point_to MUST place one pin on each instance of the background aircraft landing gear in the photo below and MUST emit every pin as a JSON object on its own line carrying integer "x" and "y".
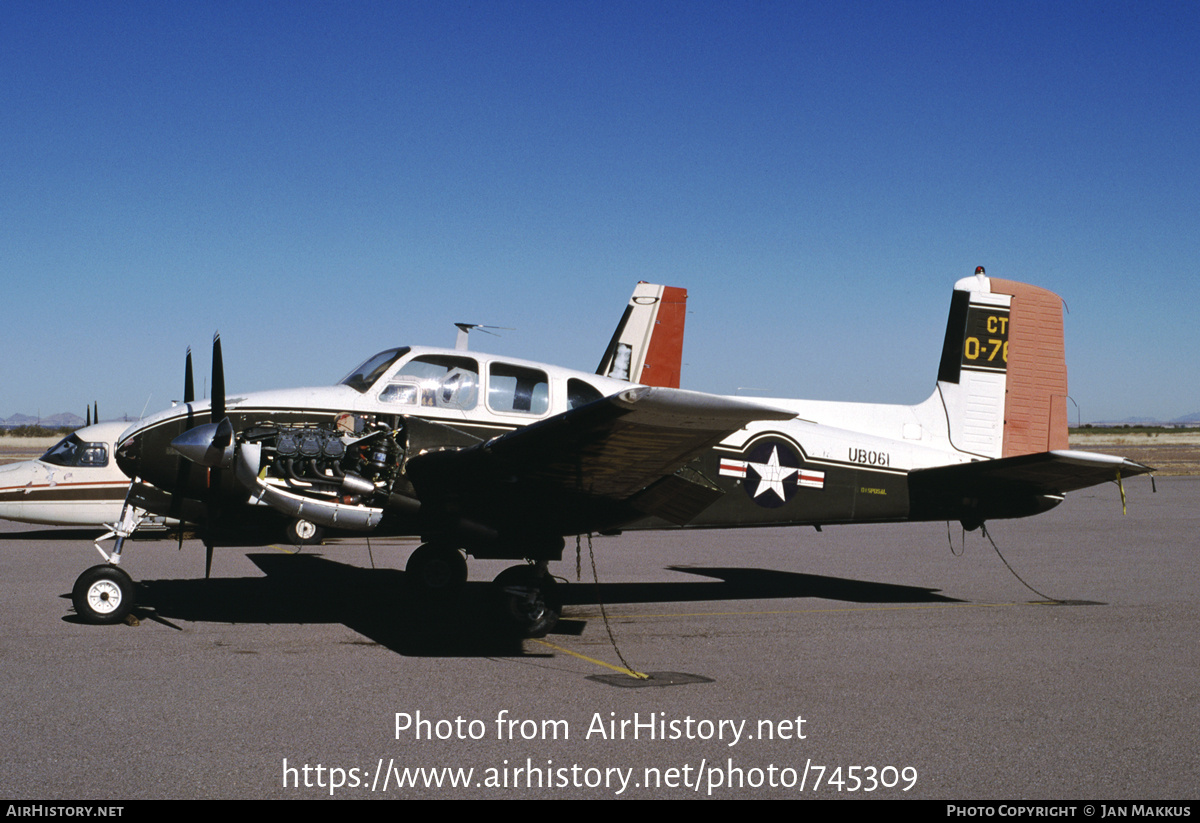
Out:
{"x": 103, "y": 594}
{"x": 528, "y": 599}
{"x": 303, "y": 533}
{"x": 436, "y": 568}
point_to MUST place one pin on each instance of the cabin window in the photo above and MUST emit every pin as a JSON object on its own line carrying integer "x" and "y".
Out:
{"x": 71, "y": 451}
{"x": 517, "y": 389}
{"x": 403, "y": 393}
{"x": 435, "y": 381}
{"x": 580, "y": 393}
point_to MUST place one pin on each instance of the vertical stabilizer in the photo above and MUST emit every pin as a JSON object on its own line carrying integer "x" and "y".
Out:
{"x": 1003, "y": 375}
{"x": 647, "y": 346}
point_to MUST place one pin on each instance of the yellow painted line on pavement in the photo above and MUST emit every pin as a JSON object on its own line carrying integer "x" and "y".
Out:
{"x": 620, "y": 669}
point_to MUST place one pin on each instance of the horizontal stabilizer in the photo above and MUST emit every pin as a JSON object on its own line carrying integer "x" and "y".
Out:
{"x": 1053, "y": 472}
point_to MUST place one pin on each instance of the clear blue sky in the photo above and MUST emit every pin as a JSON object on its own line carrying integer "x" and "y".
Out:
{"x": 323, "y": 180}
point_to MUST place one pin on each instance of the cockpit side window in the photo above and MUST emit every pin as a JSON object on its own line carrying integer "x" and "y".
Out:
{"x": 580, "y": 393}
{"x": 517, "y": 389}
{"x": 362, "y": 378}
{"x": 401, "y": 392}
{"x": 435, "y": 381}
{"x": 71, "y": 451}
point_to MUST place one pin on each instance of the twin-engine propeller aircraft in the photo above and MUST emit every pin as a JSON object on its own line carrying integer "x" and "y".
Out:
{"x": 502, "y": 458}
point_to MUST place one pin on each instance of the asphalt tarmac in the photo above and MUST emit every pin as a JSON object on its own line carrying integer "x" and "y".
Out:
{"x": 863, "y": 661}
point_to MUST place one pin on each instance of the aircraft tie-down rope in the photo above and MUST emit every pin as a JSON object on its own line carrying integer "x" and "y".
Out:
{"x": 983, "y": 528}
{"x": 634, "y": 673}
{"x": 987, "y": 534}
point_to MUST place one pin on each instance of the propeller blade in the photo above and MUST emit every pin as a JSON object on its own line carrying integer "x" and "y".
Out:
{"x": 95, "y": 412}
{"x": 89, "y": 416}
{"x": 223, "y": 439}
{"x": 189, "y": 388}
{"x": 210, "y": 445}
{"x": 183, "y": 473}
{"x": 207, "y": 559}
{"x": 218, "y": 380}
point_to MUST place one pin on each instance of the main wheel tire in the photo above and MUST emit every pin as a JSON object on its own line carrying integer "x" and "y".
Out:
{"x": 436, "y": 568}
{"x": 304, "y": 533}
{"x": 528, "y": 600}
{"x": 103, "y": 594}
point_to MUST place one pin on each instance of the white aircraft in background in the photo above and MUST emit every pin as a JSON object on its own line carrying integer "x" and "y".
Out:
{"x": 75, "y": 483}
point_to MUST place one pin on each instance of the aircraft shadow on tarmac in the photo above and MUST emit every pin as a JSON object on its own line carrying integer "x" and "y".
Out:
{"x": 754, "y": 584}
{"x": 378, "y": 603}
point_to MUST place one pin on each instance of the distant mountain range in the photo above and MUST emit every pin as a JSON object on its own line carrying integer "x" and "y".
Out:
{"x": 1192, "y": 419}
{"x": 61, "y": 420}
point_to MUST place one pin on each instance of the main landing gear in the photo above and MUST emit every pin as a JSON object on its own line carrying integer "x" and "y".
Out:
{"x": 528, "y": 599}
{"x": 103, "y": 594}
{"x": 524, "y": 596}
{"x": 437, "y": 569}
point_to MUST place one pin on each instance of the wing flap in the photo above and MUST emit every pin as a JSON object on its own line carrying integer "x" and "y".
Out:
{"x": 679, "y": 497}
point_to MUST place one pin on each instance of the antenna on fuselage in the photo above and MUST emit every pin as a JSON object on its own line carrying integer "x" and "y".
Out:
{"x": 464, "y": 329}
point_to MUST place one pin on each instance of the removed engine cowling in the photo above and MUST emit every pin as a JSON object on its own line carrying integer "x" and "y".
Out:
{"x": 342, "y": 475}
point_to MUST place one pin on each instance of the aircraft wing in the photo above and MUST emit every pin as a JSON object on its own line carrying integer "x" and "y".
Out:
{"x": 1053, "y": 472}
{"x": 572, "y": 467}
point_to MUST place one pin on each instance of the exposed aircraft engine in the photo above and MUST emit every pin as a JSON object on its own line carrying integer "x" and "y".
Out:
{"x": 327, "y": 474}
{"x": 326, "y": 460}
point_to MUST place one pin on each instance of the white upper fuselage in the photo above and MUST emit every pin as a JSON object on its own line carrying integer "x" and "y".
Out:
{"x": 467, "y": 388}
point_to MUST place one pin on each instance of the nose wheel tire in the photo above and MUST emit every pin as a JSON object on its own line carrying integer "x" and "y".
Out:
{"x": 103, "y": 594}
{"x": 528, "y": 600}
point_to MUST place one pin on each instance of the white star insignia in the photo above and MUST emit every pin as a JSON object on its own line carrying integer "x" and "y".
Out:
{"x": 771, "y": 474}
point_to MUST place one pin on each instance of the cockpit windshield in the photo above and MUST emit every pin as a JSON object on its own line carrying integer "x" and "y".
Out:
{"x": 363, "y": 377}
{"x": 71, "y": 451}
